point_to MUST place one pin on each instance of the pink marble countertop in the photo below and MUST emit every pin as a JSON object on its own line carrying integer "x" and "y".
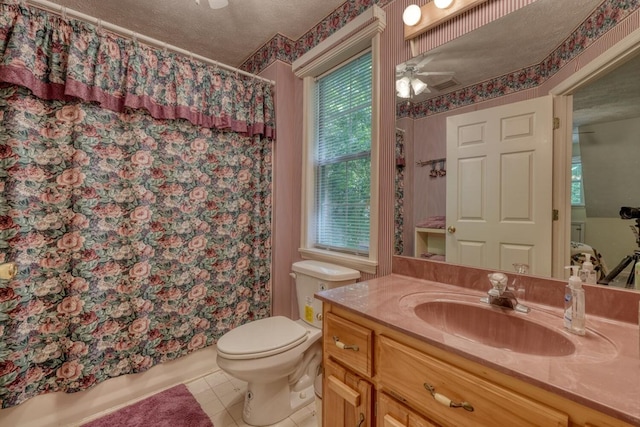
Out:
{"x": 603, "y": 373}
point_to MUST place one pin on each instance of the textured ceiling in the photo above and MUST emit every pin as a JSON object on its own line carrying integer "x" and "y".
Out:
{"x": 229, "y": 35}
{"x": 614, "y": 96}
{"x": 518, "y": 40}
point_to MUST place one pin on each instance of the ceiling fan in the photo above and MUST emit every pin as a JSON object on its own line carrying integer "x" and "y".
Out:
{"x": 408, "y": 81}
{"x": 216, "y": 4}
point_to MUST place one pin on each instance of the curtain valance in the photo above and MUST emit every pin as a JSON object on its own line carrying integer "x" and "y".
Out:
{"x": 59, "y": 59}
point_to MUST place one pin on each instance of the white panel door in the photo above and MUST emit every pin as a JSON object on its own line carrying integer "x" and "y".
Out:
{"x": 499, "y": 186}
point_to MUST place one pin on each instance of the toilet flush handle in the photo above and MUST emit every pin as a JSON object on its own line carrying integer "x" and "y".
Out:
{"x": 293, "y": 275}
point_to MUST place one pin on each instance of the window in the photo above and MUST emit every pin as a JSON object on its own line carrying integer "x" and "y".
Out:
{"x": 340, "y": 155}
{"x": 577, "y": 192}
{"x": 342, "y": 161}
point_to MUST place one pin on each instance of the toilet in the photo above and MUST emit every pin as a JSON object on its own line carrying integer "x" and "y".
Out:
{"x": 279, "y": 358}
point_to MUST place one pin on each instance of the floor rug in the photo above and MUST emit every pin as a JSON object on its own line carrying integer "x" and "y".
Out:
{"x": 174, "y": 407}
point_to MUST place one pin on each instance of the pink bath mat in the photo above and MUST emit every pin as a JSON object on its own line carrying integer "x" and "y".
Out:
{"x": 175, "y": 407}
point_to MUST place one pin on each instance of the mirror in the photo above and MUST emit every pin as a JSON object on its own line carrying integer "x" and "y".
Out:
{"x": 604, "y": 171}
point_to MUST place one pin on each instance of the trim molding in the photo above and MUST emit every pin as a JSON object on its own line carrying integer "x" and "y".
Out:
{"x": 353, "y": 37}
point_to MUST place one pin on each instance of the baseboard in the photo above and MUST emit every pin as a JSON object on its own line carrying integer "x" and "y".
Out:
{"x": 73, "y": 409}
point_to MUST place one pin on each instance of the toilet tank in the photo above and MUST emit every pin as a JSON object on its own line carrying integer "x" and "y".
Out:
{"x": 313, "y": 276}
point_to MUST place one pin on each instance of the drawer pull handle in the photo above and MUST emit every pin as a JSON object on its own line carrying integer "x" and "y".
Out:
{"x": 441, "y": 398}
{"x": 344, "y": 346}
{"x": 361, "y": 420}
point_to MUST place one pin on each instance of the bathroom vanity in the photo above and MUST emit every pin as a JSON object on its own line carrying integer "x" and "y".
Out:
{"x": 400, "y": 351}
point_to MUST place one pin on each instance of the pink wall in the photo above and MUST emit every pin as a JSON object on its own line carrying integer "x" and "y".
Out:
{"x": 287, "y": 172}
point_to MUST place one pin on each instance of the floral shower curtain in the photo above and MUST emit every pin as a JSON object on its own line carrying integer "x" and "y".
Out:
{"x": 398, "y": 247}
{"x": 135, "y": 197}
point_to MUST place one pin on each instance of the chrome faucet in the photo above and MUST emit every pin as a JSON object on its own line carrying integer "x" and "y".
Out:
{"x": 501, "y": 295}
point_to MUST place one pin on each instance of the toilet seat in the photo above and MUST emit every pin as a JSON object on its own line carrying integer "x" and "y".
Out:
{"x": 261, "y": 338}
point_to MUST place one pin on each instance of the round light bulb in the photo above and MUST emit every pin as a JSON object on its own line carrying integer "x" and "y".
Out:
{"x": 442, "y": 4}
{"x": 411, "y": 15}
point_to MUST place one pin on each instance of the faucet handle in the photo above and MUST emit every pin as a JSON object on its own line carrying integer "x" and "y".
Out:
{"x": 499, "y": 283}
{"x": 494, "y": 292}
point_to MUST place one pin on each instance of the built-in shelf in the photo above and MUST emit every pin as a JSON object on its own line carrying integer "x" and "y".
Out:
{"x": 429, "y": 240}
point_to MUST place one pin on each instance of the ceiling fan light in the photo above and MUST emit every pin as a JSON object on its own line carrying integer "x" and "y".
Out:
{"x": 218, "y": 4}
{"x": 411, "y": 15}
{"x": 403, "y": 87}
{"x": 418, "y": 86}
{"x": 442, "y": 4}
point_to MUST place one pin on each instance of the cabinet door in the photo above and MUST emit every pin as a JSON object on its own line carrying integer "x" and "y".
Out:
{"x": 392, "y": 413}
{"x": 347, "y": 398}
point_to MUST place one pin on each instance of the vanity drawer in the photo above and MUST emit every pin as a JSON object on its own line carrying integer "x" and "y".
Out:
{"x": 408, "y": 372}
{"x": 348, "y": 343}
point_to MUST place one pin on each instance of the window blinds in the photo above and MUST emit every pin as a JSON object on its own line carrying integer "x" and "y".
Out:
{"x": 343, "y": 157}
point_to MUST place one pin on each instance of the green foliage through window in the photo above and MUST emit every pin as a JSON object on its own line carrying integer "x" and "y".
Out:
{"x": 577, "y": 193}
{"x": 343, "y": 157}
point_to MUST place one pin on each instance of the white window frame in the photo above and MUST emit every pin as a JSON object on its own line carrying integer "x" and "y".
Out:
{"x": 360, "y": 34}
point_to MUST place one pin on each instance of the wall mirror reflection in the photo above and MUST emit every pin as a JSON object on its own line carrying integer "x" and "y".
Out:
{"x": 499, "y": 66}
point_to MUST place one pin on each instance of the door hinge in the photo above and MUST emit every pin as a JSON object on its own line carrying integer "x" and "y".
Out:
{"x": 556, "y": 123}
{"x": 555, "y": 214}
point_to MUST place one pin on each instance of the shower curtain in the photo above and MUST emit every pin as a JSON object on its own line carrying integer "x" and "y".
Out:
{"x": 398, "y": 246}
{"x": 135, "y": 197}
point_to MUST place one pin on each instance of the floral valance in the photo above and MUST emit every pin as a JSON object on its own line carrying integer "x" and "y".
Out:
{"x": 59, "y": 58}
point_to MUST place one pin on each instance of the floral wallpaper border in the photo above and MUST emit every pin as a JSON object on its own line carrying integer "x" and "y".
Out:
{"x": 609, "y": 14}
{"x": 282, "y": 48}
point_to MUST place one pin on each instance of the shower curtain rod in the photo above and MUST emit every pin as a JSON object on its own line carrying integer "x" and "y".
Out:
{"x": 64, "y": 11}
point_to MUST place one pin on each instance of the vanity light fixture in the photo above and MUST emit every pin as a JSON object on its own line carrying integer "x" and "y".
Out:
{"x": 411, "y": 15}
{"x": 443, "y": 4}
{"x": 434, "y": 13}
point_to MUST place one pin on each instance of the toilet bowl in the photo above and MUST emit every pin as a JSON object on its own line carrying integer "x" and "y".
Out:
{"x": 279, "y": 358}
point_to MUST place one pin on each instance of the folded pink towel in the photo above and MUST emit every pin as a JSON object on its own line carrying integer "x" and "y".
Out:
{"x": 432, "y": 222}
{"x": 434, "y": 257}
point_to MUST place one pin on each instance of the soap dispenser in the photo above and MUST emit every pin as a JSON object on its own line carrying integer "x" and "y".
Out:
{"x": 587, "y": 273}
{"x": 574, "y": 307}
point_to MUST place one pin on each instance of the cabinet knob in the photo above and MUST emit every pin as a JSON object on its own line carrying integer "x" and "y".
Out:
{"x": 451, "y": 229}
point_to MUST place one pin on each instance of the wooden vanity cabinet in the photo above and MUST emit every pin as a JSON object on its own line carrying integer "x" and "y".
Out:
{"x": 347, "y": 393}
{"x": 347, "y": 398}
{"x": 376, "y": 376}
{"x": 392, "y": 413}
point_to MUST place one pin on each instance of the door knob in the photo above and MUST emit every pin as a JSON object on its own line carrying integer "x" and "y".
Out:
{"x": 8, "y": 270}
{"x": 451, "y": 229}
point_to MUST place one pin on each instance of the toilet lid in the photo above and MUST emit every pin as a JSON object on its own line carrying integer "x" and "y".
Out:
{"x": 261, "y": 338}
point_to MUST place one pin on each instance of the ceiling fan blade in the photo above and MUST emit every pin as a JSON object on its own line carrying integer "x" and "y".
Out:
{"x": 401, "y": 68}
{"x": 424, "y": 61}
{"x": 436, "y": 73}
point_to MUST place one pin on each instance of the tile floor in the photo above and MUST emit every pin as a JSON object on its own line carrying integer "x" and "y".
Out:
{"x": 222, "y": 396}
